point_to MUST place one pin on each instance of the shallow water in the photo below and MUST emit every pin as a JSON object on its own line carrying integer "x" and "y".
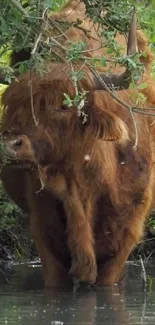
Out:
{"x": 23, "y": 300}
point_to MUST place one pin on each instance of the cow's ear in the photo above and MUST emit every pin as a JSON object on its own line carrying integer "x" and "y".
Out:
{"x": 105, "y": 125}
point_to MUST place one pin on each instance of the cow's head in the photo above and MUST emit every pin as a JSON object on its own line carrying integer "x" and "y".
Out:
{"x": 56, "y": 129}
{"x": 63, "y": 132}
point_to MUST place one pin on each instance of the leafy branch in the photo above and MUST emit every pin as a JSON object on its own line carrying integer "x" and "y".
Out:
{"x": 44, "y": 35}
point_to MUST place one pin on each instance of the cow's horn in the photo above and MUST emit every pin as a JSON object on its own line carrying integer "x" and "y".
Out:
{"x": 122, "y": 80}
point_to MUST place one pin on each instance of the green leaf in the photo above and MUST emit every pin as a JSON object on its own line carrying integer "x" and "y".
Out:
{"x": 142, "y": 85}
{"x": 48, "y": 3}
{"x": 103, "y": 61}
{"x": 68, "y": 101}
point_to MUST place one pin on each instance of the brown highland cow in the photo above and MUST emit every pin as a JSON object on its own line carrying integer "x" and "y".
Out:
{"x": 98, "y": 190}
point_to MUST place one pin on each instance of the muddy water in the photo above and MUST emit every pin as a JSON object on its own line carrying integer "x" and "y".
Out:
{"x": 23, "y": 300}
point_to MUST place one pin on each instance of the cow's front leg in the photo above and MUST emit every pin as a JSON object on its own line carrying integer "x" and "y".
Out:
{"x": 79, "y": 230}
{"x": 54, "y": 273}
{"x": 110, "y": 272}
{"x": 83, "y": 265}
{"x": 80, "y": 238}
{"x": 46, "y": 227}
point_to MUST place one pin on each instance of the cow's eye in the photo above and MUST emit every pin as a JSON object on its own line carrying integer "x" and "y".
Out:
{"x": 64, "y": 108}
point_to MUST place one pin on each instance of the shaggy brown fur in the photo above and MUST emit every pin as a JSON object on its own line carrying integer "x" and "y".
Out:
{"x": 106, "y": 198}
{"x": 99, "y": 190}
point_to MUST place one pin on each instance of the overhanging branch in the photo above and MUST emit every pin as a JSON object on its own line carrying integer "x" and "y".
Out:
{"x": 19, "y": 7}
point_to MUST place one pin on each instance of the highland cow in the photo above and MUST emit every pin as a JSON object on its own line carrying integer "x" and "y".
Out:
{"x": 97, "y": 190}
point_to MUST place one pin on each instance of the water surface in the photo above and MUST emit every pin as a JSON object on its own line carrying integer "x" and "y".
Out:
{"x": 23, "y": 300}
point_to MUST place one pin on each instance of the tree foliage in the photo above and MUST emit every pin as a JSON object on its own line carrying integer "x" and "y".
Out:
{"x": 14, "y": 237}
{"x": 22, "y": 21}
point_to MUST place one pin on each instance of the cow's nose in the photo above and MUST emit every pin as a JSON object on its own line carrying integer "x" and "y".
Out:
{"x": 16, "y": 143}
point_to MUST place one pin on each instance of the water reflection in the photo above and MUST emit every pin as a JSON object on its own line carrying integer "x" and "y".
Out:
{"x": 24, "y": 301}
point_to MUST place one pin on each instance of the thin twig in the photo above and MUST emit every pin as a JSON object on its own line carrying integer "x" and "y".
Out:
{"x": 58, "y": 56}
{"x": 146, "y": 240}
{"x": 31, "y": 98}
{"x": 152, "y": 123}
{"x": 74, "y": 81}
{"x": 36, "y": 122}
{"x": 136, "y": 130}
{"x": 58, "y": 44}
{"x": 148, "y": 257}
{"x": 19, "y": 7}
{"x": 40, "y": 34}
{"x": 139, "y": 110}
{"x": 122, "y": 103}
{"x": 4, "y": 275}
{"x": 123, "y": 277}
{"x": 41, "y": 180}
{"x": 36, "y": 43}
{"x": 143, "y": 273}
{"x": 30, "y": 82}
{"x": 143, "y": 111}
{"x": 52, "y": 21}
{"x": 63, "y": 34}
{"x": 143, "y": 311}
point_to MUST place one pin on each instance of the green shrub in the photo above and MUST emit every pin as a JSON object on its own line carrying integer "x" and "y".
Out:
{"x": 15, "y": 240}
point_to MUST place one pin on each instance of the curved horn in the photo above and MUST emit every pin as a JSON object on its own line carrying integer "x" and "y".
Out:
{"x": 122, "y": 80}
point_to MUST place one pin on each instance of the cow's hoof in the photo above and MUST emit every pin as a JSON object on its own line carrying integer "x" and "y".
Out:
{"x": 84, "y": 268}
